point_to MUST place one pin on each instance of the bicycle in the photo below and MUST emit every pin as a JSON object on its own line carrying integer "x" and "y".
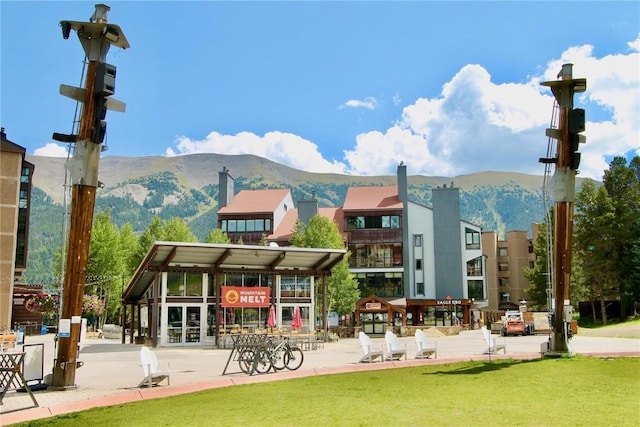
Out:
{"x": 285, "y": 355}
{"x": 268, "y": 355}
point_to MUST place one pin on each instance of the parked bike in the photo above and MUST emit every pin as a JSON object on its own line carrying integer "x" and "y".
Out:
{"x": 270, "y": 355}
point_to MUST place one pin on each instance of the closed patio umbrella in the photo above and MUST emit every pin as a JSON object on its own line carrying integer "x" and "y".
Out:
{"x": 271, "y": 321}
{"x": 296, "y": 323}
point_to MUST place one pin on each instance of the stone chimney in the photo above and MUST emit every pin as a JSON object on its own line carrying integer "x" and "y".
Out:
{"x": 307, "y": 208}
{"x": 403, "y": 190}
{"x": 225, "y": 188}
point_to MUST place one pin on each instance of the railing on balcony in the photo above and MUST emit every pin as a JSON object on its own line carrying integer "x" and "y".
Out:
{"x": 384, "y": 235}
{"x": 248, "y": 237}
{"x": 374, "y": 262}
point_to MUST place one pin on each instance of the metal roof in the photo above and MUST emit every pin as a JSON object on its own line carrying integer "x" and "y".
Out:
{"x": 220, "y": 258}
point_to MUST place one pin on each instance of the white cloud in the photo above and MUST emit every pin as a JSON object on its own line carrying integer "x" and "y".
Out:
{"x": 285, "y": 148}
{"x": 613, "y": 85}
{"x": 473, "y": 125}
{"x": 51, "y": 150}
{"x": 376, "y": 153}
{"x": 368, "y": 102}
{"x": 476, "y": 124}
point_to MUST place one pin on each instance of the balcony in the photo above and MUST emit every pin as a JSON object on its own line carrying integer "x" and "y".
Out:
{"x": 372, "y": 236}
{"x": 374, "y": 262}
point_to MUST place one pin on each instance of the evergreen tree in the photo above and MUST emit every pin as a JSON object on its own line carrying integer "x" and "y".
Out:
{"x": 594, "y": 245}
{"x": 623, "y": 187}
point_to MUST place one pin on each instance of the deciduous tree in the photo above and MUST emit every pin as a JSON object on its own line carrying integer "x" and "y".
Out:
{"x": 342, "y": 287}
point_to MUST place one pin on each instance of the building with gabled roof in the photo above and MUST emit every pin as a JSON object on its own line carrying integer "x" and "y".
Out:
{"x": 415, "y": 265}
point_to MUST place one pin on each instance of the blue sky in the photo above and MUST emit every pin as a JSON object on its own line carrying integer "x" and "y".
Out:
{"x": 449, "y": 88}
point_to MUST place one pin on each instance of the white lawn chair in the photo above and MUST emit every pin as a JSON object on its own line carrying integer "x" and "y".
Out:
{"x": 369, "y": 354}
{"x": 151, "y": 368}
{"x": 425, "y": 348}
{"x": 395, "y": 350}
{"x": 492, "y": 346}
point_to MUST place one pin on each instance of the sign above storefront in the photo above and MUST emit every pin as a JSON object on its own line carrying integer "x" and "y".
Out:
{"x": 449, "y": 302}
{"x": 237, "y": 296}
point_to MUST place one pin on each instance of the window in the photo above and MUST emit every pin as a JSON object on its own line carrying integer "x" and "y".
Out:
{"x": 295, "y": 286}
{"x": 24, "y": 176}
{"x": 504, "y": 296}
{"x": 532, "y": 264}
{"x": 193, "y": 282}
{"x": 24, "y": 197}
{"x": 475, "y": 289}
{"x": 503, "y": 252}
{"x": 474, "y": 267}
{"x": 362, "y": 222}
{"x": 530, "y": 249}
{"x": 472, "y": 238}
{"x": 387, "y": 284}
{"x": 245, "y": 225}
{"x": 184, "y": 284}
{"x": 417, "y": 240}
{"x": 175, "y": 284}
{"x": 503, "y": 266}
{"x": 420, "y": 288}
{"x": 504, "y": 282}
{"x": 418, "y": 264}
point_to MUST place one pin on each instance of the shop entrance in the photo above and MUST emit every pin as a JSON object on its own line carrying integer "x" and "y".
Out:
{"x": 374, "y": 323}
{"x": 183, "y": 326}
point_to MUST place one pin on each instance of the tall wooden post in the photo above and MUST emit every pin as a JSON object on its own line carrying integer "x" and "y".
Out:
{"x": 96, "y": 37}
{"x": 565, "y": 182}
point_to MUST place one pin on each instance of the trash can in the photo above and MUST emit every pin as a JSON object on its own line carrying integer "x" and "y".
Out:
{"x": 43, "y": 330}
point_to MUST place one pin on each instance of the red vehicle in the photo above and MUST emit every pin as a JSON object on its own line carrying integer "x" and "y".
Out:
{"x": 514, "y": 324}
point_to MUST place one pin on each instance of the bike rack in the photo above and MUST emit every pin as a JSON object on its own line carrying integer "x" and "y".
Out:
{"x": 242, "y": 342}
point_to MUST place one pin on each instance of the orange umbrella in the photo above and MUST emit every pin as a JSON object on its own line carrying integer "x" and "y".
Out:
{"x": 296, "y": 323}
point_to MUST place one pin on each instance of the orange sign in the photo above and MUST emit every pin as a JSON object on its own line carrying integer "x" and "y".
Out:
{"x": 237, "y": 296}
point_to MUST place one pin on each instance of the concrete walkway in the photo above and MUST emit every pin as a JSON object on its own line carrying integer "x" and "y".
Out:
{"x": 112, "y": 371}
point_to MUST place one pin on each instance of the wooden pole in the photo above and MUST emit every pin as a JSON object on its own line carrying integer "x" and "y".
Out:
{"x": 83, "y": 199}
{"x": 96, "y": 36}
{"x": 563, "y": 216}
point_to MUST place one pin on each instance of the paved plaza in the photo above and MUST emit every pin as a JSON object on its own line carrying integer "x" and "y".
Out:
{"x": 112, "y": 371}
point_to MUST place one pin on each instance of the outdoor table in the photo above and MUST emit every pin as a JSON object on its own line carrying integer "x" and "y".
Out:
{"x": 11, "y": 374}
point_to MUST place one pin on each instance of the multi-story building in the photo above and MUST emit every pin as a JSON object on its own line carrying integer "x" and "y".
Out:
{"x": 506, "y": 260}
{"x": 415, "y": 265}
{"x": 15, "y": 196}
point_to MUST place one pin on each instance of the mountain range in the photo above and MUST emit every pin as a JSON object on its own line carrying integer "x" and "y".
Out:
{"x": 137, "y": 188}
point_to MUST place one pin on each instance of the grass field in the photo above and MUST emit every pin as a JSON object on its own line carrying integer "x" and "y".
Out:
{"x": 577, "y": 391}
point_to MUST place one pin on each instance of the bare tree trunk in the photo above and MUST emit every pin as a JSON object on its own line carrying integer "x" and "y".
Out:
{"x": 603, "y": 306}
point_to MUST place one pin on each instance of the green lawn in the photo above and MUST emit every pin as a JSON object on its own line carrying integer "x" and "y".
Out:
{"x": 577, "y": 391}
